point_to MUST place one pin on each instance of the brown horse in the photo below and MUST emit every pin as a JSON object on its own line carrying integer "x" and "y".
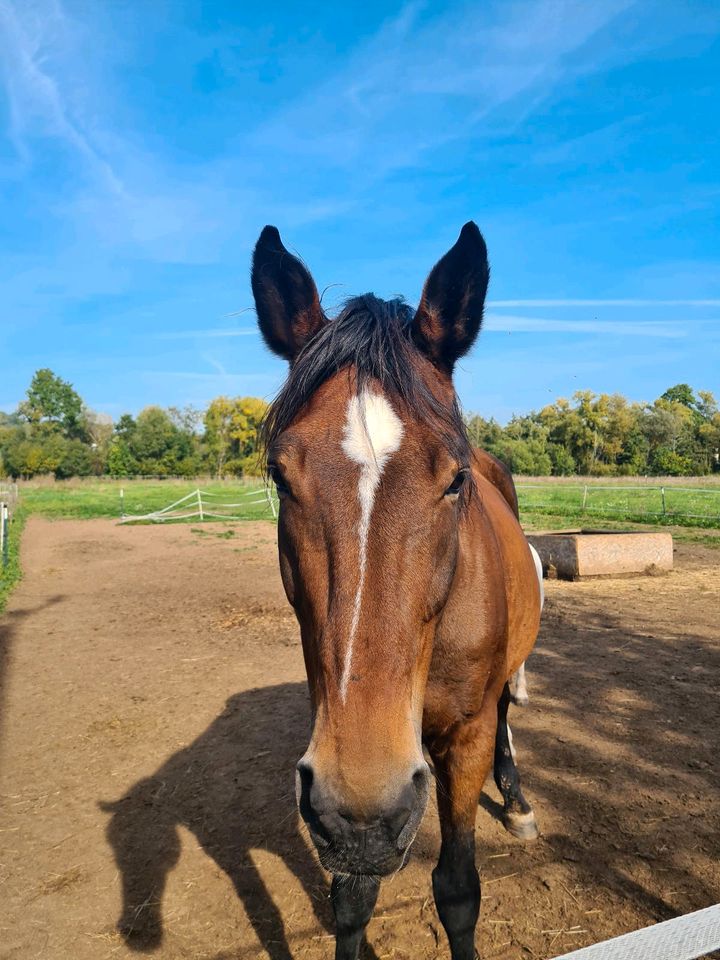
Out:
{"x": 412, "y": 581}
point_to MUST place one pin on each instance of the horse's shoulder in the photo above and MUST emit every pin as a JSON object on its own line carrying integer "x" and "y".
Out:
{"x": 495, "y": 471}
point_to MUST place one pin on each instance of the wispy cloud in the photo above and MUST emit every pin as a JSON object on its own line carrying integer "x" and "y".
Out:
{"x": 130, "y": 218}
{"x": 201, "y": 387}
{"x": 138, "y": 202}
{"x": 509, "y": 323}
{"x": 37, "y": 105}
{"x": 603, "y": 303}
{"x": 463, "y": 60}
{"x": 207, "y": 334}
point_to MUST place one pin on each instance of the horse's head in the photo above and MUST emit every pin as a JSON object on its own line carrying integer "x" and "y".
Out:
{"x": 367, "y": 448}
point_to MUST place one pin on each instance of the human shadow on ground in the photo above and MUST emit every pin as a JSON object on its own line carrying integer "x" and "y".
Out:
{"x": 233, "y": 788}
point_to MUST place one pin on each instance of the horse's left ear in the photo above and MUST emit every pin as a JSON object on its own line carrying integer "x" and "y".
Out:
{"x": 450, "y": 313}
{"x": 286, "y": 298}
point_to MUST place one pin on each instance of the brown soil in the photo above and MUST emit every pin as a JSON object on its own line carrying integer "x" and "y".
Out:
{"x": 154, "y": 707}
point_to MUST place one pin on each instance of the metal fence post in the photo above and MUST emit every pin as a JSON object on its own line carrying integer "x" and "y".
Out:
{"x": 200, "y": 505}
{"x": 662, "y": 493}
{"x": 585, "y": 493}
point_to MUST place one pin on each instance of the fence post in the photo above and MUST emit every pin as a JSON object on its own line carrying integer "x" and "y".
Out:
{"x": 200, "y": 506}
{"x": 268, "y": 494}
{"x": 662, "y": 493}
{"x": 585, "y": 493}
{"x": 122, "y": 503}
{"x": 4, "y": 534}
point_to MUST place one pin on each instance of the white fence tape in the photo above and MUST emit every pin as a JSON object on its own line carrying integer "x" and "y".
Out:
{"x": 683, "y": 938}
{"x": 201, "y": 504}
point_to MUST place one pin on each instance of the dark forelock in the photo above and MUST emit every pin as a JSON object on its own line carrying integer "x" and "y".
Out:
{"x": 372, "y": 338}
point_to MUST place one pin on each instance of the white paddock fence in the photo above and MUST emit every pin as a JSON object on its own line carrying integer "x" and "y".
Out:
{"x": 683, "y": 938}
{"x": 207, "y": 506}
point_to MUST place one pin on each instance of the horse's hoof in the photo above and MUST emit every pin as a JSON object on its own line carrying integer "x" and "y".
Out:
{"x": 520, "y": 699}
{"x": 521, "y": 825}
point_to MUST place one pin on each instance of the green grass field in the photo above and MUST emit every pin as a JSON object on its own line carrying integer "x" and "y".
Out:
{"x": 84, "y": 500}
{"x": 640, "y": 503}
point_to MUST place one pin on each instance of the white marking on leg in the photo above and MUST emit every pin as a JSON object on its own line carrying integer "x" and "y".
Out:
{"x": 518, "y": 686}
{"x": 539, "y": 572}
{"x": 510, "y": 742}
{"x": 372, "y": 432}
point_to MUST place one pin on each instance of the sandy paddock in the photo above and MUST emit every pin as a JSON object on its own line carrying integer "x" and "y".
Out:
{"x": 153, "y": 707}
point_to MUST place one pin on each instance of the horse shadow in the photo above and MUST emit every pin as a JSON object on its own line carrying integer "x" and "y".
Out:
{"x": 233, "y": 788}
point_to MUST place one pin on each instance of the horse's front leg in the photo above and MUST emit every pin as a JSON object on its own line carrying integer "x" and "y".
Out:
{"x": 518, "y": 816}
{"x": 353, "y": 900}
{"x": 461, "y": 768}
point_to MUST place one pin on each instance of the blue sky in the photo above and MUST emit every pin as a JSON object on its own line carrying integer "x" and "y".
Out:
{"x": 144, "y": 145}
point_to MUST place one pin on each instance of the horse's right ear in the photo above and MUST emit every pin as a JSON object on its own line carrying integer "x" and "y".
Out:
{"x": 286, "y": 298}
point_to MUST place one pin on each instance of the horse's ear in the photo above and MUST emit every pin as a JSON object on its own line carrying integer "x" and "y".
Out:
{"x": 450, "y": 313}
{"x": 286, "y": 298}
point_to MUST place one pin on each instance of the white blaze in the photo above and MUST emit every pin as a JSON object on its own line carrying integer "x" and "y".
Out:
{"x": 372, "y": 432}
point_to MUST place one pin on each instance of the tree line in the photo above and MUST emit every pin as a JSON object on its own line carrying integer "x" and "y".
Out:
{"x": 53, "y": 432}
{"x": 607, "y": 435}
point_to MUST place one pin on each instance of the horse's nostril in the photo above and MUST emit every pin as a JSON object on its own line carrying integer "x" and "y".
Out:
{"x": 307, "y": 800}
{"x": 404, "y": 819}
{"x": 304, "y": 783}
{"x": 397, "y": 820}
{"x": 305, "y": 773}
{"x": 421, "y": 778}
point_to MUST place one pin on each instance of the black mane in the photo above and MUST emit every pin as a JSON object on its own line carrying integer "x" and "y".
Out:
{"x": 374, "y": 338}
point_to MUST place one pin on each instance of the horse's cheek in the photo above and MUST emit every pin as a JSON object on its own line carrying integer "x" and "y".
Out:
{"x": 442, "y": 573}
{"x": 288, "y": 577}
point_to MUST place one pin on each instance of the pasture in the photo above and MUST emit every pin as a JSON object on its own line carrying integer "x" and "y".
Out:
{"x": 677, "y": 500}
{"x": 154, "y": 705}
{"x": 87, "y": 499}
{"x": 680, "y": 501}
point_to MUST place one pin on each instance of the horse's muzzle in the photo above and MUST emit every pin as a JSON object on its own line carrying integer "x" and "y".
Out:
{"x": 351, "y": 843}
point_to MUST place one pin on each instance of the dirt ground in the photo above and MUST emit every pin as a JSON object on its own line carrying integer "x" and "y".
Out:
{"x": 154, "y": 706}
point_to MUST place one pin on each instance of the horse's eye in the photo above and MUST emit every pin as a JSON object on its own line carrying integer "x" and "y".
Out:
{"x": 278, "y": 479}
{"x": 456, "y": 486}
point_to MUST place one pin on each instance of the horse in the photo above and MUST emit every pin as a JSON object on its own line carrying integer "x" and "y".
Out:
{"x": 414, "y": 587}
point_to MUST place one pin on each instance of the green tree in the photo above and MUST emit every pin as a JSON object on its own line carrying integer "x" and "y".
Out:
{"x": 26, "y": 456}
{"x": 76, "y": 460}
{"x": 120, "y": 461}
{"x": 52, "y": 400}
{"x": 680, "y": 393}
{"x": 154, "y": 442}
{"x": 563, "y": 462}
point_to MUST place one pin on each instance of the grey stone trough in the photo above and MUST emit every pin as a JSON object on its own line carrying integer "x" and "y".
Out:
{"x": 575, "y": 554}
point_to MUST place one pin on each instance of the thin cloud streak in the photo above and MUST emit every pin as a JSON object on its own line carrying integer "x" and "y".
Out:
{"x": 478, "y": 63}
{"x": 508, "y": 323}
{"x": 206, "y": 334}
{"x": 35, "y": 101}
{"x": 249, "y": 378}
{"x": 603, "y": 303}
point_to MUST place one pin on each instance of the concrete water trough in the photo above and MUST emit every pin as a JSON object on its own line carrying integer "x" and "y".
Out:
{"x": 576, "y": 554}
